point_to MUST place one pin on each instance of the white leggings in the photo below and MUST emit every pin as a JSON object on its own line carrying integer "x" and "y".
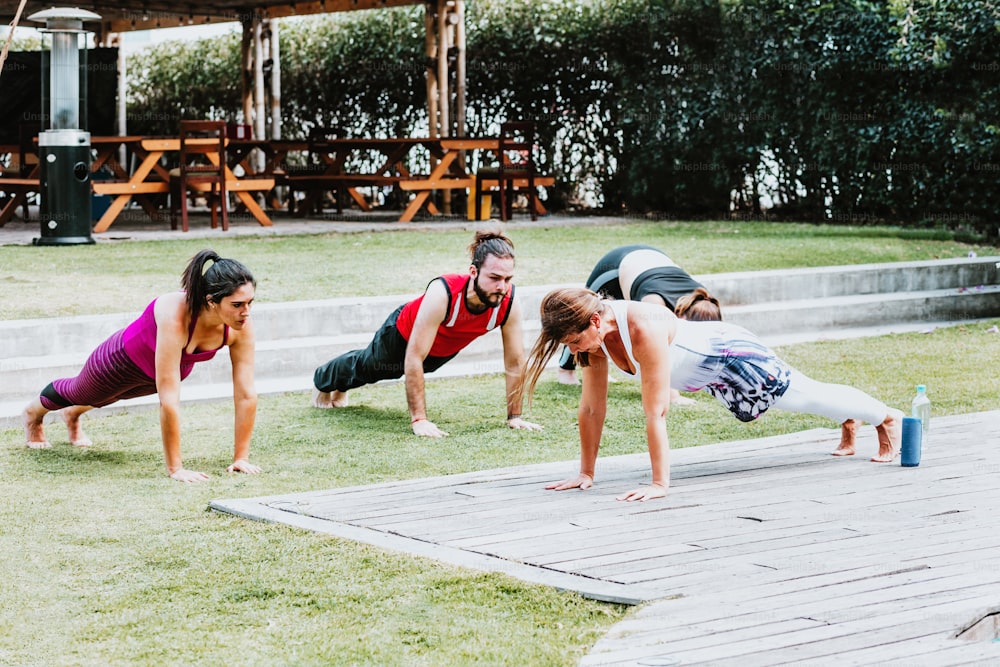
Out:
{"x": 836, "y": 401}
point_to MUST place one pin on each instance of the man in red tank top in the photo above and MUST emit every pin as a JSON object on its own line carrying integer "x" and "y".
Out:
{"x": 422, "y": 335}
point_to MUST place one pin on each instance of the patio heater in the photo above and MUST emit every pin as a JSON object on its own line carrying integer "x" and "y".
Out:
{"x": 64, "y": 149}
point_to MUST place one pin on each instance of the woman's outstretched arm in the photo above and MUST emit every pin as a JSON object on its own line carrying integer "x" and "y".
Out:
{"x": 241, "y": 353}
{"x": 651, "y": 330}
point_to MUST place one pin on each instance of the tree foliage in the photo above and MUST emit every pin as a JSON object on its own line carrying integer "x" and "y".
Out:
{"x": 825, "y": 110}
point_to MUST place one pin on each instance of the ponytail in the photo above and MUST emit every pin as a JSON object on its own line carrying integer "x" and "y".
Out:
{"x": 699, "y": 306}
{"x": 219, "y": 280}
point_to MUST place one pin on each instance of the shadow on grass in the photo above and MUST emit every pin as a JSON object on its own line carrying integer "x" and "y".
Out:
{"x": 68, "y": 460}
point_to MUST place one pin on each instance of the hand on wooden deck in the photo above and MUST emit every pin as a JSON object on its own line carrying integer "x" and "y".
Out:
{"x": 645, "y": 493}
{"x": 581, "y": 481}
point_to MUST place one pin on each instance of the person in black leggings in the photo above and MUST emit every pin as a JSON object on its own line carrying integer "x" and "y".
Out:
{"x": 644, "y": 273}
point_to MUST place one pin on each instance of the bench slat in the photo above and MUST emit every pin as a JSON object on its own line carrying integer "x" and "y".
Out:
{"x": 116, "y": 188}
{"x": 20, "y": 184}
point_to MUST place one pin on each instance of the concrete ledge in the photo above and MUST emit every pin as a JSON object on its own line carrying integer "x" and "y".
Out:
{"x": 295, "y": 337}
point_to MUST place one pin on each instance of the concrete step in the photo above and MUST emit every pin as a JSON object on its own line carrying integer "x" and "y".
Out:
{"x": 299, "y": 356}
{"x": 471, "y": 361}
{"x": 828, "y": 281}
{"x": 351, "y": 315}
{"x": 295, "y": 337}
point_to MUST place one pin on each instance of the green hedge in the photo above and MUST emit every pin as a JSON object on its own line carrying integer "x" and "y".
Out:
{"x": 843, "y": 111}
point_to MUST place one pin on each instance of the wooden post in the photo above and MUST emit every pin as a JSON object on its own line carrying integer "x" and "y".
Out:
{"x": 259, "y": 128}
{"x": 430, "y": 50}
{"x": 444, "y": 87}
{"x": 246, "y": 45}
{"x": 442, "y": 68}
{"x": 460, "y": 74}
{"x": 122, "y": 112}
{"x": 275, "y": 81}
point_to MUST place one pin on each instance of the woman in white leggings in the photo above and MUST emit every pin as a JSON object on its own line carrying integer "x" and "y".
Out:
{"x": 723, "y": 359}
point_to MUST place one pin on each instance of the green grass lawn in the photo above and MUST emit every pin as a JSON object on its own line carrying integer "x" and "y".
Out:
{"x": 108, "y": 562}
{"x": 122, "y": 277}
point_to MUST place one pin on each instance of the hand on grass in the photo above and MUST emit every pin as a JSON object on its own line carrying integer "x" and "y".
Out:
{"x": 427, "y": 429}
{"x": 645, "y": 493}
{"x": 517, "y": 422}
{"x": 188, "y": 476}
{"x": 582, "y": 481}
{"x": 242, "y": 465}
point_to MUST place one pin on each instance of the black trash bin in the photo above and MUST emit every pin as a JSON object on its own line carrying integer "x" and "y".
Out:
{"x": 64, "y": 159}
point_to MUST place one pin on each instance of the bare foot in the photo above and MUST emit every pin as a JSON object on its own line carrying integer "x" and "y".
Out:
{"x": 77, "y": 437}
{"x": 34, "y": 430}
{"x": 566, "y": 376}
{"x": 328, "y": 399}
{"x": 890, "y": 437}
{"x": 848, "y": 431}
{"x": 677, "y": 399}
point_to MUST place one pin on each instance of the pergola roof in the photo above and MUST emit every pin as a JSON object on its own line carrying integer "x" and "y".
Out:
{"x": 126, "y": 15}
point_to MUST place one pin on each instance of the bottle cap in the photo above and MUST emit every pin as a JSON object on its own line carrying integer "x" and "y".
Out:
{"x": 921, "y": 387}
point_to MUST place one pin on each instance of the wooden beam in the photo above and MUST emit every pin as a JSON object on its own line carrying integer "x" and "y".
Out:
{"x": 130, "y": 15}
{"x": 259, "y": 123}
{"x": 246, "y": 58}
{"x": 275, "y": 45}
{"x": 430, "y": 51}
{"x": 460, "y": 73}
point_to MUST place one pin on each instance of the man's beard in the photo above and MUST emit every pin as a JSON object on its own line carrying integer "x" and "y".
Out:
{"x": 490, "y": 300}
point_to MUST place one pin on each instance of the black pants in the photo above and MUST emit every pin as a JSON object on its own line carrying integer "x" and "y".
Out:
{"x": 383, "y": 359}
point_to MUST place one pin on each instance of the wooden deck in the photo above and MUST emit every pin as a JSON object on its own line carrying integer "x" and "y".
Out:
{"x": 765, "y": 552}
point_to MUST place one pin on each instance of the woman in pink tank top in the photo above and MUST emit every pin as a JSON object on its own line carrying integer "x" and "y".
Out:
{"x": 158, "y": 350}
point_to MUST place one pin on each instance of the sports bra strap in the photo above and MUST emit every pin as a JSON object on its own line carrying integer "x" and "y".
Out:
{"x": 620, "y": 309}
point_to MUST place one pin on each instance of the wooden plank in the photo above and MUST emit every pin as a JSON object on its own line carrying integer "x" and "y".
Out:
{"x": 115, "y": 188}
{"x": 540, "y": 181}
{"x": 19, "y": 184}
{"x": 598, "y": 590}
{"x": 249, "y": 184}
{"x": 437, "y": 184}
{"x": 830, "y": 641}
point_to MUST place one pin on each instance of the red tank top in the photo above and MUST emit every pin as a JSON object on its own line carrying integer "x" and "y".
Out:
{"x": 460, "y": 326}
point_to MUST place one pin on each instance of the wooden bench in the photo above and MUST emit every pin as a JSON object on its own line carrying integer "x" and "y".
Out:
{"x": 19, "y": 189}
{"x": 314, "y": 184}
{"x": 469, "y": 183}
{"x": 417, "y": 184}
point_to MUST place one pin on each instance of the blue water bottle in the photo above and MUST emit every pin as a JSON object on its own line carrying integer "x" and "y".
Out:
{"x": 912, "y": 436}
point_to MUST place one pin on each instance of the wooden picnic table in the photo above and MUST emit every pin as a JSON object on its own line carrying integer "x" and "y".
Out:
{"x": 13, "y": 184}
{"x": 450, "y": 174}
{"x": 151, "y": 177}
{"x": 239, "y": 153}
{"x": 336, "y": 163}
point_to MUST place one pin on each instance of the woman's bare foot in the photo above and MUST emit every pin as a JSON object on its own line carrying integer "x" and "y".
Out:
{"x": 890, "y": 437}
{"x": 34, "y": 429}
{"x": 77, "y": 437}
{"x": 848, "y": 431}
{"x": 677, "y": 399}
{"x": 566, "y": 376}
{"x": 329, "y": 399}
